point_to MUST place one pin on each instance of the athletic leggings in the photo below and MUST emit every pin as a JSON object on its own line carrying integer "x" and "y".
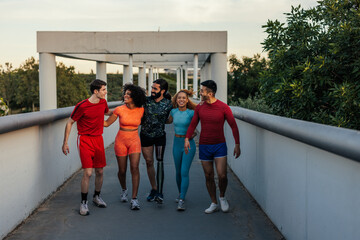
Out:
{"x": 182, "y": 164}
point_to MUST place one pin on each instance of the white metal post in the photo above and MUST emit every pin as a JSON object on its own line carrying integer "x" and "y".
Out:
{"x": 47, "y": 81}
{"x": 195, "y": 75}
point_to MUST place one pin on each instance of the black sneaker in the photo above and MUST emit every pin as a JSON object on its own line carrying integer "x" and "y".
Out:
{"x": 152, "y": 195}
{"x": 159, "y": 198}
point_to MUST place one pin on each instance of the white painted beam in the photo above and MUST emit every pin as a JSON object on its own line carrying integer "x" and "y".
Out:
{"x": 47, "y": 81}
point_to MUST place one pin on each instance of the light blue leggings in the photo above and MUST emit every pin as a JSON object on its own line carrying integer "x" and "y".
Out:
{"x": 182, "y": 164}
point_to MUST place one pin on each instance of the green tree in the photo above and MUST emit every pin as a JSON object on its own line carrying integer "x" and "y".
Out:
{"x": 27, "y": 92}
{"x": 314, "y": 68}
{"x": 8, "y": 83}
{"x": 244, "y": 76}
{"x": 71, "y": 88}
{"x": 3, "y": 108}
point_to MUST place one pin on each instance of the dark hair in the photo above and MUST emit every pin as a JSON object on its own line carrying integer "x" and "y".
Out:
{"x": 136, "y": 93}
{"x": 96, "y": 85}
{"x": 163, "y": 86}
{"x": 210, "y": 85}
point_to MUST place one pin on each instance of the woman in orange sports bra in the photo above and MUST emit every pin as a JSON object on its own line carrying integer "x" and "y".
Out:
{"x": 127, "y": 141}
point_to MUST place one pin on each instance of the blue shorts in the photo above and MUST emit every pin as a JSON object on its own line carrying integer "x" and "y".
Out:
{"x": 209, "y": 152}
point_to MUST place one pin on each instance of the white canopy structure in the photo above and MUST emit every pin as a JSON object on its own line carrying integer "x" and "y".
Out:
{"x": 181, "y": 50}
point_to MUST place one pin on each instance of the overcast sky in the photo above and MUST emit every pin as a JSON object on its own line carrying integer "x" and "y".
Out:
{"x": 20, "y": 19}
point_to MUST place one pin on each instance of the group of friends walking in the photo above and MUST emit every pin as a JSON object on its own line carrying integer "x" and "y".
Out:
{"x": 152, "y": 113}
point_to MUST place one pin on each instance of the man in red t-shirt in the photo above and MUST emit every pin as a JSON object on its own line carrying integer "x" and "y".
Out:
{"x": 89, "y": 115}
{"x": 212, "y": 113}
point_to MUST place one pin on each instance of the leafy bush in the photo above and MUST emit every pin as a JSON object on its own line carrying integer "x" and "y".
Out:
{"x": 314, "y": 68}
{"x": 244, "y": 76}
{"x": 255, "y": 103}
{"x": 4, "y": 110}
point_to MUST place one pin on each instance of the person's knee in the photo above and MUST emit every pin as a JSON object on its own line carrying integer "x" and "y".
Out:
{"x": 121, "y": 172}
{"x": 149, "y": 162}
{"x": 222, "y": 177}
{"x": 99, "y": 172}
{"x": 87, "y": 173}
{"x": 185, "y": 173}
{"x": 209, "y": 176}
{"x": 134, "y": 169}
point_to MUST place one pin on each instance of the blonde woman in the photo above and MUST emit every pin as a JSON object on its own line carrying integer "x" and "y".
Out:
{"x": 181, "y": 115}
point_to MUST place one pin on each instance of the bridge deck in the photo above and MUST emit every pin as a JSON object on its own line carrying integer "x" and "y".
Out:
{"x": 58, "y": 217}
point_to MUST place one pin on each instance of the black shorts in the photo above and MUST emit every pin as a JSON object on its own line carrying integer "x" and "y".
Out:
{"x": 149, "y": 141}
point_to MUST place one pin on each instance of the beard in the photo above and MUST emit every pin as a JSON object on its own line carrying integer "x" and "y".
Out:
{"x": 155, "y": 95}
{"x": 204, "y": 98}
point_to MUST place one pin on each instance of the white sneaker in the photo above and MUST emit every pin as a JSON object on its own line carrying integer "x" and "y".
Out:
{"x": 224, "y": 204}
{"x": 213, "y": 208}
{"x": 124, "y": 195}
{"x": 99, "y": 202}
{"x": 181, "y": 205}
{"x": 134, "y": 204}
{"x": 84, "y": 210}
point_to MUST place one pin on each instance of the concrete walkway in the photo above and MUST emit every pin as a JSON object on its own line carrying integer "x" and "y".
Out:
{"x": 58, "y": 218}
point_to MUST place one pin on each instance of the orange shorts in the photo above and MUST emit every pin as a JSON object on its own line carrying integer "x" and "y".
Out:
{"x": 91, "y": 151}
{"x": 127, "y": 142}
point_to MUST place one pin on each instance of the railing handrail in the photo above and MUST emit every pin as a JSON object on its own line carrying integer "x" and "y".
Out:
{"x": 341, "y": 141}
{"x": 24, "y": 120}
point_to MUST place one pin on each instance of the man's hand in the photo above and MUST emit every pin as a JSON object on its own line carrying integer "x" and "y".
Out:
{"x": 186, "y": 145}
{"x": 237, "y": 150}
{"x": 65, "y": 148}
{"x": 194, "y": 135}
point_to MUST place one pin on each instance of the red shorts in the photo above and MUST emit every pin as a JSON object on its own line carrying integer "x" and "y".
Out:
{"x": 91, "y": 151}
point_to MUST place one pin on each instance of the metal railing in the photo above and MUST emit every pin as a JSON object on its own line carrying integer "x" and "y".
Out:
{"x": 19, "y": 121}
{"x": 341, "y": 141}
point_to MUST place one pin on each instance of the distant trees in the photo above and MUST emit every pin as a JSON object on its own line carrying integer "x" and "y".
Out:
{"x": 19, "y": 88}
{"x": 70, "y": 87}
{"x": 244, "y": 76}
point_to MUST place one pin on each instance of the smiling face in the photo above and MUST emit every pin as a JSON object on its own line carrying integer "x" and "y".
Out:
{"x": 127, "y": 97}
{"x": 101, "y": 93}
{"x": 182, "y": 99}
{"x": 204, "y": 93}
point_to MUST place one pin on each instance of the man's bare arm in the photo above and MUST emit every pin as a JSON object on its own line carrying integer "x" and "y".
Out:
{"x": 65, "y": 146}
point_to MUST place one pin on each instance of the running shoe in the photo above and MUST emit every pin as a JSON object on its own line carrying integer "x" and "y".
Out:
{"x": 181, "y": 205}
{"x": 124, "y": 195}
{"x": 159, "y": 198}
{"x": 84, "y": 210}
{"x": 134, "y": 204}
{"x": 99, "y": 202}
{"x": 152, "y": 195}
{"x": 224, "y": 204}
{"x": 213, "y": 208}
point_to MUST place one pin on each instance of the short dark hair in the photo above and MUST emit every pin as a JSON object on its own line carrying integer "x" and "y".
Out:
{"x": 137, "y": 94}
{"x": 96, "y": 85}
{"x": 210, "y": 84}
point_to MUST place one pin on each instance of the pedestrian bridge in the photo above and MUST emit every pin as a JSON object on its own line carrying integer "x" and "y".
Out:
{"x": 293, "y": 180}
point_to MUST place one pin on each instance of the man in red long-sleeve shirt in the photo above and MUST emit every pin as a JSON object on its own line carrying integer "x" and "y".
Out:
{"x": 212, "y": 114}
